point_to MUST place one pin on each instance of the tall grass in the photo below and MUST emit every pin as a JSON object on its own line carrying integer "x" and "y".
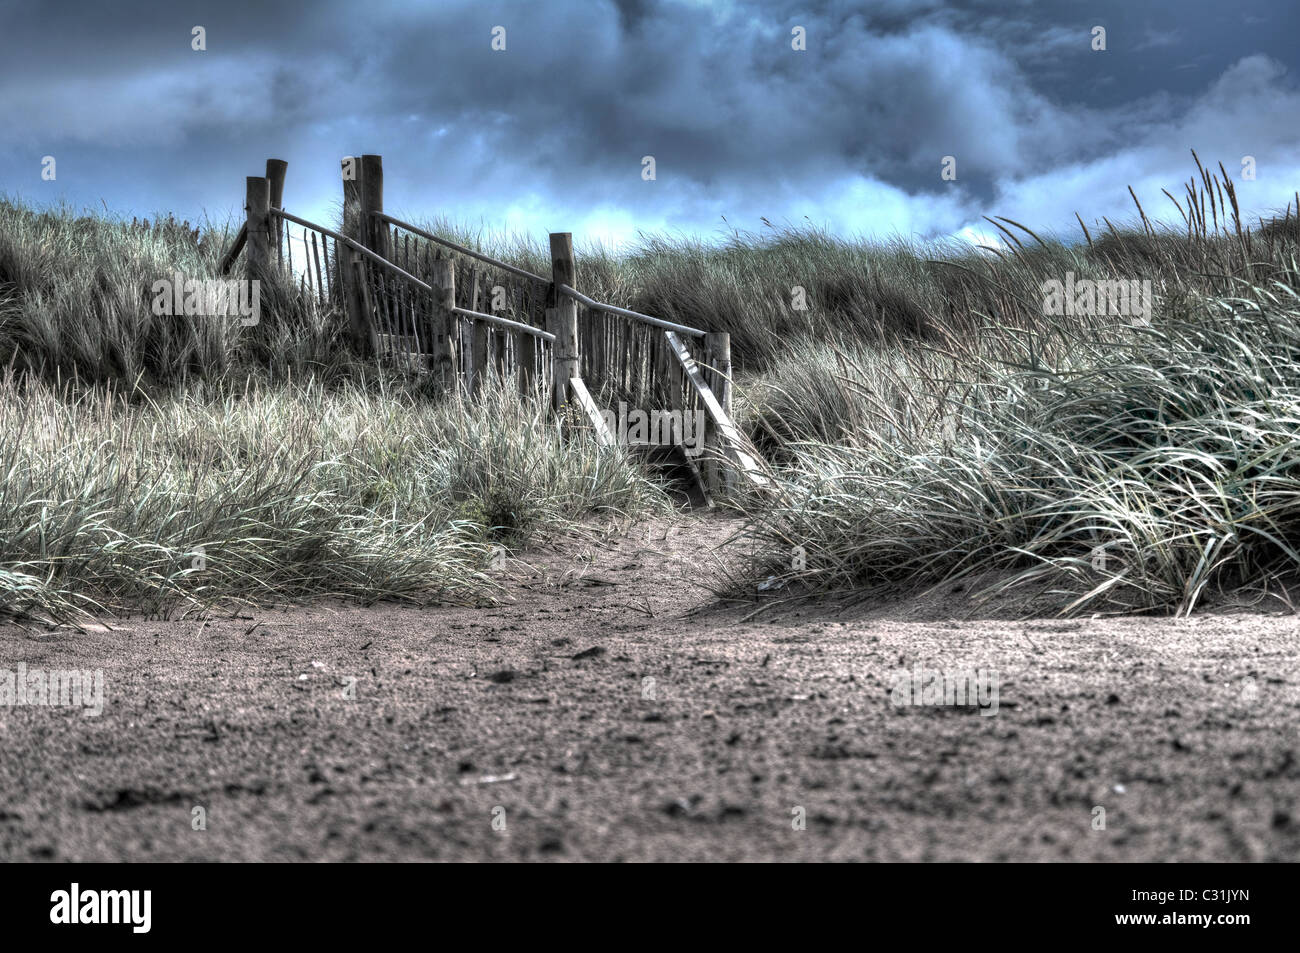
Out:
{"x": 280, "y": 492}
{"x": 926, "y": 419}
{"x": 1108, "y": 462}
{"x": 75, "y": 294}
{"x": 169, "y": 463}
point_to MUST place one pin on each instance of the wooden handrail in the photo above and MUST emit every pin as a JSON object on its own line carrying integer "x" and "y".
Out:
{"x": 354, "y": 245}
{"x": 505, "y": 266}
{"x": 564, "y": 289}
{"x": 506, "y": 323}
{"x": 748, "y": 465}
{"x": 635, "y": 315}
{"x": 523, "y": 273}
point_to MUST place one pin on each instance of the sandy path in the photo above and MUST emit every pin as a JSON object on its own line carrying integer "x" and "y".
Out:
{"x": 537, "y": 713}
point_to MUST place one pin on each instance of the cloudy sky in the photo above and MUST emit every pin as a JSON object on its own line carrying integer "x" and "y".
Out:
{"x": 550, "y": 133}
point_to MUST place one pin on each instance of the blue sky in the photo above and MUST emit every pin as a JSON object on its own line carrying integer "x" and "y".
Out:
{"x": 549, "y": 134}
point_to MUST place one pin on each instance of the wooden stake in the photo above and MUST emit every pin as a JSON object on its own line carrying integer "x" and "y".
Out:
{"x": 257, "y": 257}
{"x": 477, "y": 340}
{"x": 444, "y": 280}
{"x": 717, "y": 355}
{"x": 564, "y": 318}
{"x": 360, "y": 329}
{"x": 374, "y": 230}
{"x": 275, "y": 170}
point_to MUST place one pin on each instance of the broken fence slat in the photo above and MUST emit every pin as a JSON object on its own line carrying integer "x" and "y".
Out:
{"x": 235, "y": 248}
{"x": 603, "y": 434}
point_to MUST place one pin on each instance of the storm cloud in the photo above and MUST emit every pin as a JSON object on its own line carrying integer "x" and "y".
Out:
{"x": 549, "y": 133}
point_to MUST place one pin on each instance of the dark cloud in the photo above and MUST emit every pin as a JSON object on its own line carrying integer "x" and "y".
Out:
{"x": 850, "y": 132}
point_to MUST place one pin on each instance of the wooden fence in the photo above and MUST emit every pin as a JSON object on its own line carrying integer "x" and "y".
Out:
{"x": 413, "y": 299}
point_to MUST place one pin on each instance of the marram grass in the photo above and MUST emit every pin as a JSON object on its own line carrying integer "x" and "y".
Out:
{"x": 1130, "y": 467}
{"x": 110, "y": 502}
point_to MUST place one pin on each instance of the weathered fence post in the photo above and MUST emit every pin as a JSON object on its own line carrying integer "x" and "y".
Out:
{"x": 563, "y": 314}
{"x": 374, "y": 229}
{"x": 351, "y": 277}
{"x": 373, "y": 233}
{"x": 444, "y": 281}
{"x": 717, "y": 354}
{"x": 257, "y": 255}
{"x": 275, "y": 170}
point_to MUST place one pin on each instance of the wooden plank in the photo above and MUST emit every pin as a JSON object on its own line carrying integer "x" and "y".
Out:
{"x": 526, "y": 362}
{"x": 384, "y": 298}
{"x": 437, "y": 330}
{"x": 363, "y": 300}
{"x": 604, "y": 436}
{"x": 228, "y": 259}
{"x": 478, "y": 340}
{"x": 747, "y": 464}
{"x": 321, "y": 292}
{"x": 275, "y": 171}
{"x": 500, "y": 344}
{"x": 409, "y": 314}
{"x": 699, "y": 477}
{"x": 480, "y": 356}
{"x": 717, "y": 355}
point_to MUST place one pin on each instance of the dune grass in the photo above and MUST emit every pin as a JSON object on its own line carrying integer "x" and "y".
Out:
{"x": 925, "y": 417}
{"x": 113, "y": 502}
{"x": 164, "y": 464}
{"x": 1108, "y": 462}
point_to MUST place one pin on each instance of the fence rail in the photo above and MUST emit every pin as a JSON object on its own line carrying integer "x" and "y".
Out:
{"x": 455, "y": 246}
{"x": 506, "y": 323}
{"x": 412, "y": 298}
{"x": 634, "y": 315}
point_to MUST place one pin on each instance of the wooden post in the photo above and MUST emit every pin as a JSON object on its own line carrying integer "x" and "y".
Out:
{"x": 434, "y": 331}
{"x": 563, "y": 315}
{"x": 717, "y": 355}
{"x": 444, "y": 281}
{"x": 674, "y": 381}
{"x": 275, "y": 170}
{"x": 480, "y": 346}
{"x": 374, "y": 229}
{"x": 362, "y": 333}
{"x": 257, "y": 256}
{"x": 478, "y": 336}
